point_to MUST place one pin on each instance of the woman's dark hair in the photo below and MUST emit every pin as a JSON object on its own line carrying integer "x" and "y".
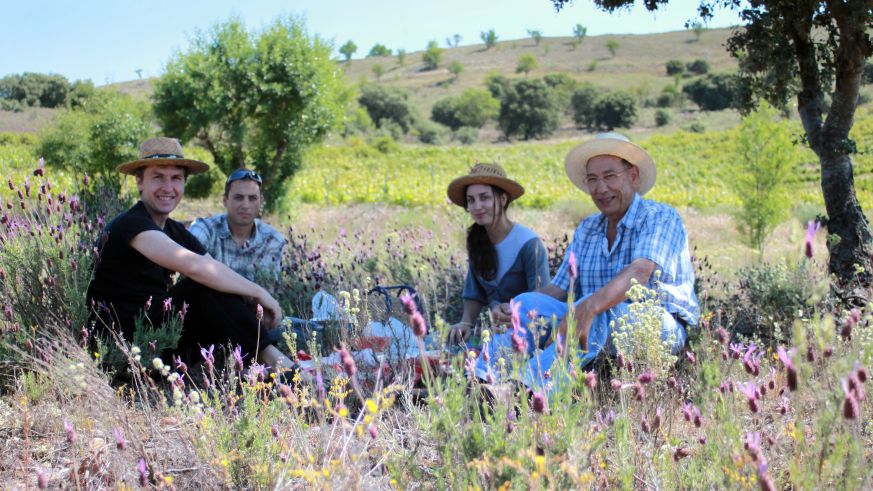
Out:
{"x": 480, "y": 250}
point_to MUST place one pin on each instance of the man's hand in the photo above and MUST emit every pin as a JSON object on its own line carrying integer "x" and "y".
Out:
{"x": 272, "y": 310}
{"x": 459, "y": 333}
{"x": 584, "y": 315}
{"x": 501, "y": 314}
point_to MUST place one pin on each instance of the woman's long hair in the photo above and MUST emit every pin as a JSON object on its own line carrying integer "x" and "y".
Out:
{"x": 480, "y": 250}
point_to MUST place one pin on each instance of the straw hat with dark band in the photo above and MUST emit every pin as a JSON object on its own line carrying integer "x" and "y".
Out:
{"x": 491, "y": 174}
{"x": 162, "y": 151}
{"x": 616, "y": 144}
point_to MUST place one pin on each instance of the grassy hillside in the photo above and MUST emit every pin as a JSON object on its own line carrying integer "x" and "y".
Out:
{"x": 638, "y": 66}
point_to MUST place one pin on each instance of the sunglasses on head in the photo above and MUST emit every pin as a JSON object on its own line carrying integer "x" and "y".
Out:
{"x": 244, "y": 174}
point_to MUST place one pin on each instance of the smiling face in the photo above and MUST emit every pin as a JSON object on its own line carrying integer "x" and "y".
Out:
{"x": 161, "y": 188}
{"x": 612, "y": 183}
{"x": 243, "y": 202}
{"x": 484, "y": 205}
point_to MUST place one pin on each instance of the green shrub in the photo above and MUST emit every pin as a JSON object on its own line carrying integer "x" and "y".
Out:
{"x": 497, "y": 84}
{"x": 669, "y": 97}
{"x": 466, "y": 135}
{"x": 564, "y": 86}
{"x": 698, "y": 67}
{"x": 697, "y": 127}
{"x": 526, "y": 63}
{"x": 473, "y": 107}
{"x": 379, "y": 50}
{"x": 713, "y": 92}
{"x": 582, "y": 104}
{"x": 385, "y": 144}
{"x": 675, "y": 67}
{"x": 209, "y": 183}
{"x": 662, "y": 118}
{"x": 615, "y": 110}
{"x": 18, "y": 139}
{"x": 388, "y": 104}
{"x": 432, "y": 133}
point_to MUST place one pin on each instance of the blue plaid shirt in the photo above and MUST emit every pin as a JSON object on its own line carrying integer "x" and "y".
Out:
{"x": 262, "y": 252}
{"x": 648, "y": 230}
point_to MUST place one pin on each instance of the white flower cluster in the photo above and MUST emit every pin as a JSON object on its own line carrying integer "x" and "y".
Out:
{"x": 637, "y": 335}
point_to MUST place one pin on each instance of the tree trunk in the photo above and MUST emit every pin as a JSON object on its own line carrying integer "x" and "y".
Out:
{"x": 846, "y": 220}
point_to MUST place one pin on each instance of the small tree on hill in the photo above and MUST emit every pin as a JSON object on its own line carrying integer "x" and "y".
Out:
{"x": 472, "y": 108}
{"x": 379, "y": 50}
{"x": 763, "y": 154}
{"x": 498, "y": 84}
{"x": 536, "y": 35}
{"x": 378, "y": 71}
{"x": 455, "y": 68}
{"x": 432, "y": 56}
{"x": 401, "y": 57}
{"x": 612, "y": 45}
{"x": 348, "y": 50}
{"x": 529, "y": 109}
{"x": 454, "y": 41}
{"x": 526, "y": 63}
{"x": 579, "y": 32}
{"x": 697, "y": 28}
{"x": 489, "y": 37}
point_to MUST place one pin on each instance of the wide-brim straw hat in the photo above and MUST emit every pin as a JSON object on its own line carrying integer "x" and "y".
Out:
{"x": 488, "y": 173}
{"x": 616, "y": 144}
{"x": 162, "y": 151}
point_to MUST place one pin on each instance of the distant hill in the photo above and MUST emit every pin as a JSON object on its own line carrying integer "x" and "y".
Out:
{"x": 638, "y": 66}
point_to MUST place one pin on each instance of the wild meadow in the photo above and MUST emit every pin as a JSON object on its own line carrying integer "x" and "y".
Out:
{"x": 770, "y": 394}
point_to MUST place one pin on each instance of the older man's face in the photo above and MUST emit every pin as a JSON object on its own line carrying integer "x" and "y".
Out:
{"x": 612, "y": 184}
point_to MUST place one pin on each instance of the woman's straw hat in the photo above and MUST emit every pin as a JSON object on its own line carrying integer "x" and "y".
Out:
{"x": 576, "y": 163}
{"x": 491, "y": 174}
{"x": 162, "y": 151}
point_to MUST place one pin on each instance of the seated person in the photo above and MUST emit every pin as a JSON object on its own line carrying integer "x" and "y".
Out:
{"x": 505, "y": 258}
{"x": 628, "y": 240}
{"x": 140, "y": 249}
{"x": 238, "y": 238}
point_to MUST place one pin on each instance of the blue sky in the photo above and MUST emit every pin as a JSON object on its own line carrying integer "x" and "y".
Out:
{"x": 109, "y": 40}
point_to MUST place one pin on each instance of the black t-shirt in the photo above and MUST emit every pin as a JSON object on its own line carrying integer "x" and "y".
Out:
{"x": 124, "y": 279}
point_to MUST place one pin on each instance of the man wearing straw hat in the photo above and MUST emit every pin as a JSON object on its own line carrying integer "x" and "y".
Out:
{"x": 141, "y": 248}
{"x": 631, "y": 239}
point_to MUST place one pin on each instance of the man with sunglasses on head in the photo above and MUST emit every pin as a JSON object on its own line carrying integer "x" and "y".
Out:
{"x": 239, "y": 238}
{"x": 140, "y": 250}
{"x": 632, "y": 239}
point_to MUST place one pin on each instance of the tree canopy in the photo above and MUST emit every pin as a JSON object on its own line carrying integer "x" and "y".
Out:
{"x": 253, "y": 99}
{"x": 807, "y": 50}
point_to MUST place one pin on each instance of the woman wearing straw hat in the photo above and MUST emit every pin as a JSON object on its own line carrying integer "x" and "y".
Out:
{"x": 505, "y": 258}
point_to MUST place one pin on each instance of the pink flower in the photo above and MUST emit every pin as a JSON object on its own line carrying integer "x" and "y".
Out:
{"x": 373, "y": 432}
{"x": 168, "y": 303}
{"x": 764, "y": 479}
{"x": 348, "y": 362}
{"x": 259, "y": 312}
{"x": 646, "y": 377}
{"x": 514, "y": 308}
{"x": 41, "y": 479}
{"x": 616, "y": 384}
{"x": 691, "y": 358}
{"x": 680, "y": 453}
{"x": 590, "y": 380}
{"x": 686, "y": 411}
{"x": 419, "y": 327}
{"x": 723, "y": 336}
{"x": 573, "y": 266}
{"x": 408, "y": 302}
{"x": 850, "y": 323}
{"x": 207, "y": 355}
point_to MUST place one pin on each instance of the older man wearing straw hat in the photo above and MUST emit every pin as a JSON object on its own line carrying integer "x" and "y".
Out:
{"x": 630, "y": 239}
{"x": 143, "y": 246}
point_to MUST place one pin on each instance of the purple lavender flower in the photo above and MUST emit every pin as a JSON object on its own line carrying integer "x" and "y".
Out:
{"x": 419, "y": 326}
{"x": 590, "y": 380}
{"x": 574, "y": 271}
{"x": 736, "y": 350}
{"x": 143, "y": 473}
{"x": 791, "y": 376}
{"x": 751, "y": 392}
{"x": 237, "y": 358}
{"x": 120, "y": 444}
{"x": 850, "y": 403}
{"x": 811, "y": 229}
{"x": 538, "y": 402}
{"x": 646, "y": 377}
{"x": 348, "y": 362}
{"x": 168, "y": 303}
{"x": 208, "y": 356}
{"x": 71, "y": 434}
